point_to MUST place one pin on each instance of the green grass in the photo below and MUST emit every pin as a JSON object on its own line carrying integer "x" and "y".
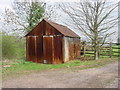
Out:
{"x": 23, "y": 66}
{"x": 117, "y": 50}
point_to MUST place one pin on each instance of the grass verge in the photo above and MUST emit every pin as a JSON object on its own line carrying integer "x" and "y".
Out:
{"x": 23, "y": 66}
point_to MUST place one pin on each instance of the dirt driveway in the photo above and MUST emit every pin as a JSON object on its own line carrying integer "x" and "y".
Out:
{"x": 102, "y": 77}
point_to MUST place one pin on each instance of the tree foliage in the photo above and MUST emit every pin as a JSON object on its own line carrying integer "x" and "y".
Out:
{"x": 24, "y": 16}
{"x": 35, "y": 15}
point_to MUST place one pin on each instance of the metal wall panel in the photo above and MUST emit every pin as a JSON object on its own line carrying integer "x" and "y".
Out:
{"x": 76, "y": 48}
{"x": 65, "y": 49}
{"x": 71, "y": 48}
{"x": 38, "y": 30}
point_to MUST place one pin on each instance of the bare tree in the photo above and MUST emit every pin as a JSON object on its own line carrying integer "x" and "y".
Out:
{"x": 93, "y": 18}
{"x": 50, "y": 12}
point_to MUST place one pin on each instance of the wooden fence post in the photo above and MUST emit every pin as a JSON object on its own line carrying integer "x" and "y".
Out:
{"x": 110, "y": 50}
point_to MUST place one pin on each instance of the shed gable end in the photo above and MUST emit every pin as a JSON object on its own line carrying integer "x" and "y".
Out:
{"x": 50, "y": 30}
{"x": 38, "y": 30}
{"x": 44, "y": 28}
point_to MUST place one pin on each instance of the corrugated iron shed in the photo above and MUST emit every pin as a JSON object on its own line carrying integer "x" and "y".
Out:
{"x": 51, "y": 43}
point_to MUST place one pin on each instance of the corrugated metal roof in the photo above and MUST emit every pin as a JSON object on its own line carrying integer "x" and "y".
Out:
{"x": 63, "y": 29}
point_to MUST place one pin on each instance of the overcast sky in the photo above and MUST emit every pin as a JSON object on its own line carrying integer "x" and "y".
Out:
{"x": 8, "y": 4}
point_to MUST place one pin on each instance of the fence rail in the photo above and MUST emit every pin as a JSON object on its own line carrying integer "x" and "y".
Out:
{"x": 109, "y": 49}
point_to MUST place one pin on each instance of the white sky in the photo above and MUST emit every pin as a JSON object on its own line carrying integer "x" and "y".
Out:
{"x": 7, "y": 3}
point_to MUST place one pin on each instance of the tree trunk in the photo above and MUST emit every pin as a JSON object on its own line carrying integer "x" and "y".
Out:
{"x": 96, "y": 51}
{"x": 96, "y": 55}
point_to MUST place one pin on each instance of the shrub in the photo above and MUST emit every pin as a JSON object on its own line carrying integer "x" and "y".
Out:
{"x": 12, "y": 47}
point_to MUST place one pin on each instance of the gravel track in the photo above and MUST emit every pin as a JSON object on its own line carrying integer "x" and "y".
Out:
{"x": 102, "y": 77}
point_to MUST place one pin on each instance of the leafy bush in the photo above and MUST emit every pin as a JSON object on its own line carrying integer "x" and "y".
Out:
{"x": 13, "y": 47}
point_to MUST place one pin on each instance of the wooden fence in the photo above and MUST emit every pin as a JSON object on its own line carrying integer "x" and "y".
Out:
{"x": 107, "y": 50}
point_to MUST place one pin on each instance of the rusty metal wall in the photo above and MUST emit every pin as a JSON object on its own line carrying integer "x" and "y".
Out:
{"x": 65, "y": 49}
{"x": 50, "y": 48}
{"x": 49, "y": 30}
{"x": 76, "y": 48}
{"x": 71, "y": 48}
{"x": 44, "y": 28}
{"x": 38, "y": 30}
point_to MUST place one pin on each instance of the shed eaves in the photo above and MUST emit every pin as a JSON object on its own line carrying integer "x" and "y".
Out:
{"x": 63, "y": 29}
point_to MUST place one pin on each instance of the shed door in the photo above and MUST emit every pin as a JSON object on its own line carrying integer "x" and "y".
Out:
{"x": 58, "y": 57}
{"x": 48, "y": 49}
